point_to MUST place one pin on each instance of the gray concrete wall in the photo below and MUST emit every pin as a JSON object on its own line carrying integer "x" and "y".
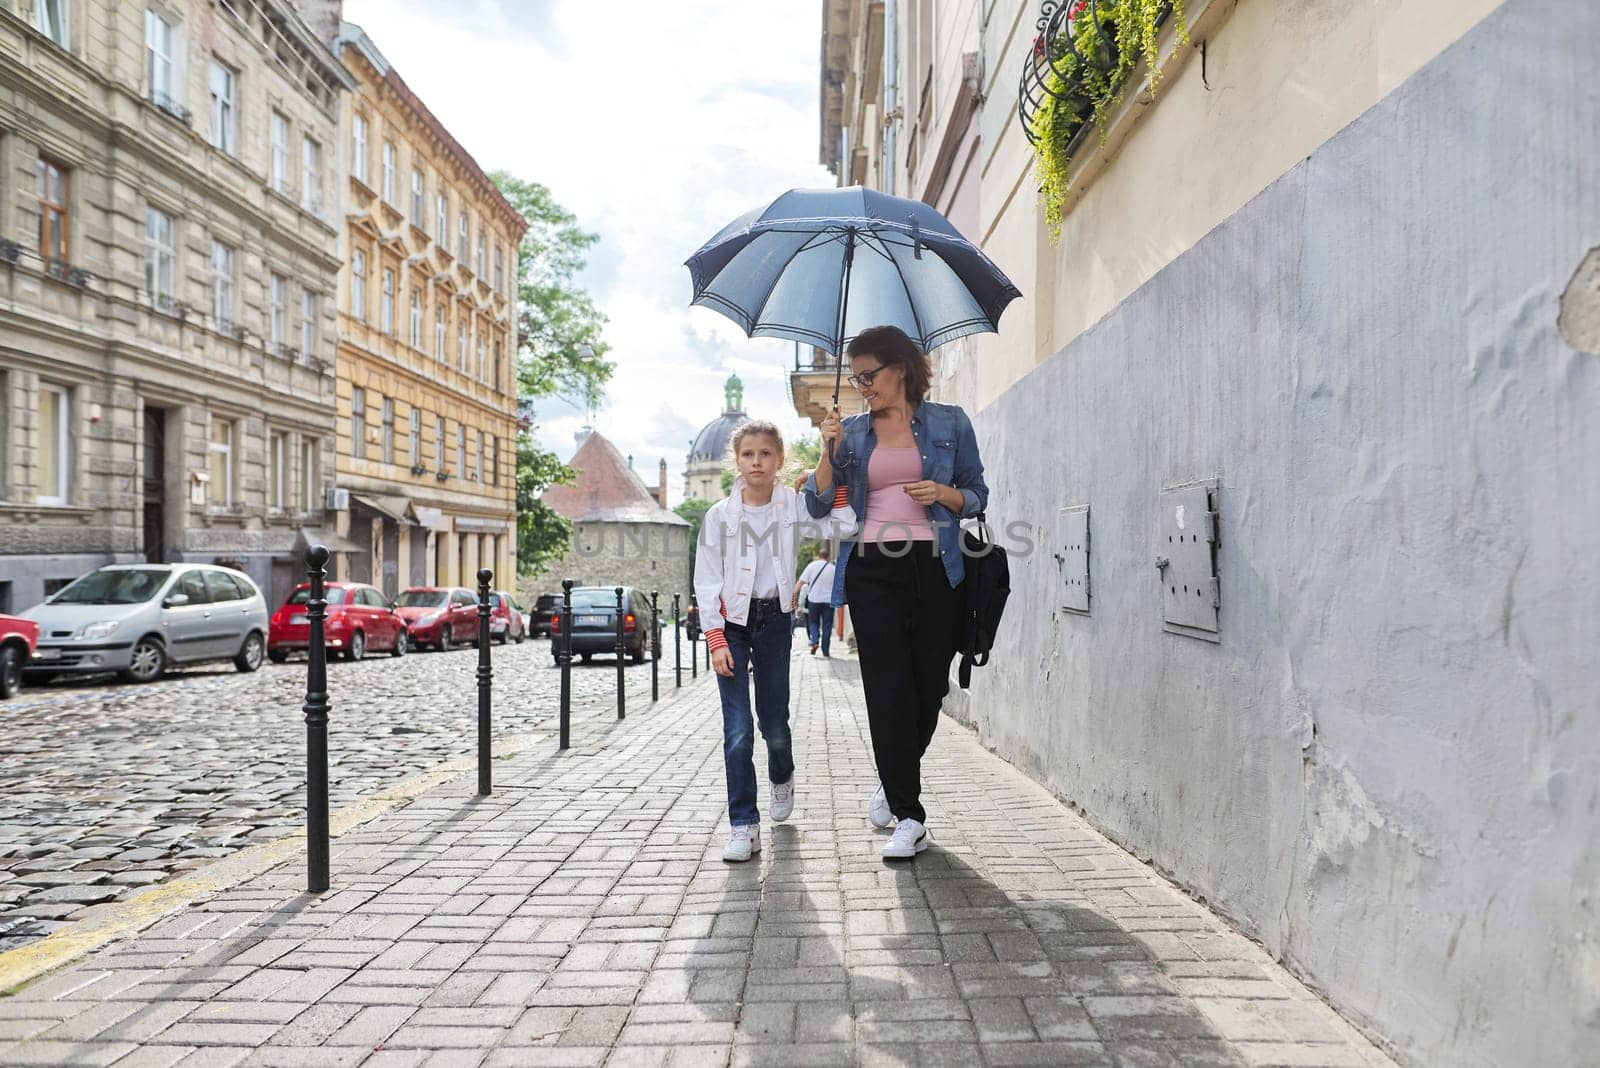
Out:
{"x": 1388, "y": 769}
{"x": 649, "y": 556}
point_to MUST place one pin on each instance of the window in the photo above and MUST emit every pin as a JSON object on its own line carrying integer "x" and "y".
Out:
{"x": 277, "y": 472}
{"x": 499, "y": 269}
{"x": 386, "y": 302}
{"x": 441, "y": 218}
{"x": 479, "y": 264}
{"x": 478, "y": 478}
{"x": 308, "y": 474}
{"x": 52, "y": 19}
{"x": 221, "y": 285}
{"x": 192, "y": 584}
{"x": 388, "y": 430}
{"x": 463, "y": 354}
{"x": 499, "y": 352}
{"x": 222, "y": 587}
{"x": 438, "y": 442}
{"x": 358, "y": 423}
{"x": 494, "y": 461}
{"x": 418, "y": 198}
{"x": 461, "y": 451}
{"x": 277, "y": 313}
{"x": 308, "y": 323}
{"x": 159, "y": 56}
{"x": 482, "y": 366}
{"x": 279, "y": 173}
{"x": 220, "y": 450}
{"x": 416, "y": 318}
{"x": 461, "y": 237}
{"x": 438, "y": 335}
{"x": 55, "y": 445}
{"x": 358, "y": 285}
{"x": 358, "y": 148}
{"x": 53, "y": 216}
{"x": 311, "y": 176}
{"x": 224, "y": 120}
{"x": 416, "y": 436}
{"x": 160, "y": 254}
{"x": 389, "y": 160}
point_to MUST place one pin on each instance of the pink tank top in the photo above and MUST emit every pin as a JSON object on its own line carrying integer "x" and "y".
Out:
{"x": 891, "y": 514}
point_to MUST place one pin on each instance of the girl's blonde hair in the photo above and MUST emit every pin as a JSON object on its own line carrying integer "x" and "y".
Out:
{"x": 750, "y": 428}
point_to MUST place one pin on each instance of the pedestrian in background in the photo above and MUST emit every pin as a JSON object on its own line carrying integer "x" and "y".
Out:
{"x": 817, "y": 578}
{"x": 744, "y": 580}
{"x": 911, "y": 471}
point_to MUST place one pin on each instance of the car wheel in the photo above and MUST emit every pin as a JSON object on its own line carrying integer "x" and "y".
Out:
{"x": 402, "y": 642}
{"x": 277, "y": 656}
{"x": 357, "y": 648}
{"x": 505, "y": 636}
{"x": 249, "y": 657}
{"x": 147, "y": 661}
{"x": 10, "y": 671}
{"x": 638, "y": 654}
{"x": 444, "y": 638}
{"x": 586, "y": 657}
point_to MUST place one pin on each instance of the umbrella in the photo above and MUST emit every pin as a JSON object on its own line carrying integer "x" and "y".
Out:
{"x": 820, "y": 265}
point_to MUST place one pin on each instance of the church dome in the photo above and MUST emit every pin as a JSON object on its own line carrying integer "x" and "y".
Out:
{"x": 712, "y": 441}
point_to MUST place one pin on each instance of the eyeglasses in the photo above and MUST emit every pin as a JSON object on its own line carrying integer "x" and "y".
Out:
{"x": 864, "y": 379}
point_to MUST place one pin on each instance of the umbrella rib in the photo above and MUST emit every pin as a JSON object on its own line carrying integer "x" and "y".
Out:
{"x": 911, "y": 303}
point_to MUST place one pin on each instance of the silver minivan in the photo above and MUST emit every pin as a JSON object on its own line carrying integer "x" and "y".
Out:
{"x": 136, "y": 619}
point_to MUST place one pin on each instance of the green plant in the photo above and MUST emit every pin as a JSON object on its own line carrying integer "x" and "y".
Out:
{"x": 1089, "y": 64}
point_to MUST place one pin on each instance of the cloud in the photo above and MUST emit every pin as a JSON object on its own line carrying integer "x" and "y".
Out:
{"x": 655, "y": 124}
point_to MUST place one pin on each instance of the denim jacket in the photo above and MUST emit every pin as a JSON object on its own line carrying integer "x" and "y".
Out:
{"x": 949, "y": 448}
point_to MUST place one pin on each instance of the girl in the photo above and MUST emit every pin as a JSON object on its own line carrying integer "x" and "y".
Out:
{"x": 744, "y": 580}
{"x": 910, "y": 468}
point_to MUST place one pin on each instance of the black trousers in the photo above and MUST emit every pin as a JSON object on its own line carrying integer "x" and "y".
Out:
{"x": 906, "y": 618}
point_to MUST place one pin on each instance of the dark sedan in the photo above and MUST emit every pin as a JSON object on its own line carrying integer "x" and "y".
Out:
{"x": 594, "y": 622}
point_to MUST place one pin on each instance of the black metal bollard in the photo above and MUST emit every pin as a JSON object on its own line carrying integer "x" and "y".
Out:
{"x": 622, "y": 662}
{"x": 564, "y": 657}
{"x": 655, "y": 647}
{"x": 485, "y": 673}
{"x": 316, "y": 711}
{"x": 677, "y": 642}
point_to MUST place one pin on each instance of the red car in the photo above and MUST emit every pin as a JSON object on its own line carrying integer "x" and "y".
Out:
{"x": 440, "y": 616}
{"x": 506, "y": 623}
{"x": 18, "y": 639}
{"x": 358, "y": 620}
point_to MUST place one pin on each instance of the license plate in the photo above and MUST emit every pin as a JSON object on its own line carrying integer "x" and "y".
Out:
{"x": 297, "y": 621}
{"x": 47, "y": 654}
{"x": 591, "y": 621}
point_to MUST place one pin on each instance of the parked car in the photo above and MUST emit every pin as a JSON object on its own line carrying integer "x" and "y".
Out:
{"x": 138, "y": 619}
{"x": 545, "y": 609}
{"x": 594, "y": 622}
{"x": 439, "y": 616}
{"x": 358, "y": 621}
{"x": 18, "y": 639}
{"x": 506, "y": 623}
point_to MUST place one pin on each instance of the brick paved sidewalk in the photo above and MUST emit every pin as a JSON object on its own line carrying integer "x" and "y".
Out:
{"x": 582, "y": 915}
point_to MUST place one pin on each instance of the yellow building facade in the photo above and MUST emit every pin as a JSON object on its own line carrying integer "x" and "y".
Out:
{"x": 426, "y": 427}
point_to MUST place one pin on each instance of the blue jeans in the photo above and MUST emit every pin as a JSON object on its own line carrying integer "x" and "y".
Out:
{"x": 819, "y": 621}
{"x": 761, "y": 645}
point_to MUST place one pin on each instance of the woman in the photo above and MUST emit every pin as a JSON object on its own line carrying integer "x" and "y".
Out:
{"x": 911, "y": 471}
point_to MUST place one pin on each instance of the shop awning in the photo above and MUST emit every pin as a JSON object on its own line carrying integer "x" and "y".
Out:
{"x": 306, "y": 537}
{"x": 396, "y": 508}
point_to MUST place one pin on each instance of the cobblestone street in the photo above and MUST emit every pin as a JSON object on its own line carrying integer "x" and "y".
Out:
{"x": 582, "y": 915}
{"x": 108, "y": 788}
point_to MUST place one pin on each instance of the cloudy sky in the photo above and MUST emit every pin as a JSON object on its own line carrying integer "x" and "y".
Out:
{"x": 655, "y": 124}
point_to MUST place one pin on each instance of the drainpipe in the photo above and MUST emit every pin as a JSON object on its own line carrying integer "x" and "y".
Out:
{"x": 891, "y": 91}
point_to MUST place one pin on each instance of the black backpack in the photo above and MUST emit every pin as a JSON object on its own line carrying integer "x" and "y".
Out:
{"x": 986, "y": 587}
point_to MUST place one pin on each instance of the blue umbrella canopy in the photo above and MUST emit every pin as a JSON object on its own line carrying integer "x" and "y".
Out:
{"x": 818, "y": 266}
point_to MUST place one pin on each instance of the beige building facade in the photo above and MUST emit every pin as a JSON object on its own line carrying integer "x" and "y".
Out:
{"x": 167, "y": 287}
{"x": 426, "y": 426}
{"x": 1318, "y": 290}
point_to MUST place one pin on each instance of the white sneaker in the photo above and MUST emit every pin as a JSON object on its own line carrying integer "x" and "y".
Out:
{"x": 742, "y": 842}
{"x": 910, "y": 838}
{"x": 878, "y": 813}
{"x": 783, "y": 800}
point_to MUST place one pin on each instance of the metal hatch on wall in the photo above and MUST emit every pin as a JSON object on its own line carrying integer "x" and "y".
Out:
{"x": 1186, "y": 558}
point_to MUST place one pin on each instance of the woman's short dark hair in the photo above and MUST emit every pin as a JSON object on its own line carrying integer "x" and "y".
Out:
{"x": 891, "y": 346}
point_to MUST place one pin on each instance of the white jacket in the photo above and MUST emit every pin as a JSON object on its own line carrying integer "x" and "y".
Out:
{"x": 725, "y": 558}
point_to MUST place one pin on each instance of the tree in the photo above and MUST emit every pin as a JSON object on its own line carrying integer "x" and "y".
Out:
{"x": 694, "y": 510}
{"x": 560, "y": 353}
